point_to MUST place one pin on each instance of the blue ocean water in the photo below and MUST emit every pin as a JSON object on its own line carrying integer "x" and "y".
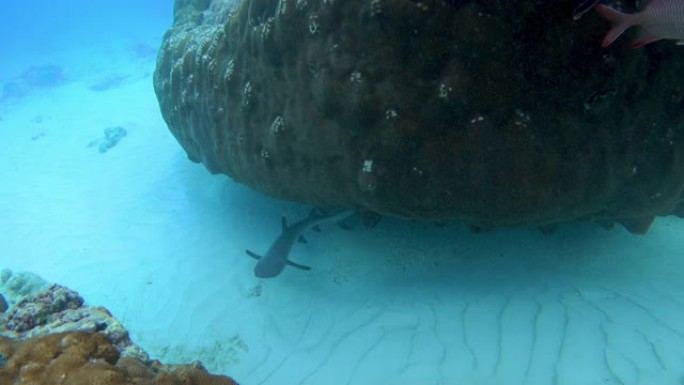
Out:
{"x": 33, "y": 31}
{"x": 159, "y": 241}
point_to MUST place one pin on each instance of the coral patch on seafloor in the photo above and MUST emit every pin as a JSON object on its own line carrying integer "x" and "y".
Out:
{"x": 42, "y": 76}
{"x": 112, "y": 136}
{"x": 109, "y": 82}
{"x": 51, "y": 337}
{"x": 39, "y": 309}
{"x": 89, "y": 358}
{"x": 49, "y": 75}
{"x": 16, "y": 286}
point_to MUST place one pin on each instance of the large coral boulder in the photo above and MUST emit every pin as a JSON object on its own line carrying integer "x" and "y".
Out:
{"x": 488, "y": 112}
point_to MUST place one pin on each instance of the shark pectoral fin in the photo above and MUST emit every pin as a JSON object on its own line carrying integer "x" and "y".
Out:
{"x": 253, "y": 255}
{"x": 301, "y": 239}
{"x": 297, "y": 265}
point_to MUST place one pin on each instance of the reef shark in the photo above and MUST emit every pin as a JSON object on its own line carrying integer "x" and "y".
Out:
{"x": 273, "y": 262}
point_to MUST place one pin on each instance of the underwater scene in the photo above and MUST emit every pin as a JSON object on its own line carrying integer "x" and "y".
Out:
{"x": 342, "y": 192}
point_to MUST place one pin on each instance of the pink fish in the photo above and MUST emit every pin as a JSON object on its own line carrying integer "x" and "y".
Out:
{"x": 660, "y": 19}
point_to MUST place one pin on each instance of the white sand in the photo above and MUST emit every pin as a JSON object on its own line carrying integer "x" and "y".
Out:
{"x": 160, "y": 242}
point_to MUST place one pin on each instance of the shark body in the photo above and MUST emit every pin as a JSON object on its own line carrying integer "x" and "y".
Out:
{"x": 276, "y": 258}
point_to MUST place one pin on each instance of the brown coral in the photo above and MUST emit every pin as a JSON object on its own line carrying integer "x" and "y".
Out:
{"x": 75, "y": 358}
{"x": 59, "y": 309}
{"x": 50, "y": 337}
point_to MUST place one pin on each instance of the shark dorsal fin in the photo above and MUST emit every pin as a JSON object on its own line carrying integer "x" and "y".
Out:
{"x": 283, "y": 223}
{"x": 301, "y": 239}
{"x": 316, "y": 228}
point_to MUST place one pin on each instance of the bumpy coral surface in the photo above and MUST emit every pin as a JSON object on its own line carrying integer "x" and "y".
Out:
{"x": 50, "y": 337}
{"x": 59, "y": 309}
{"x": 41, "y": 308}
{"x": 488, "y": 112}
{"x": 15, "y": 286}
{"x": 75, "y": 358}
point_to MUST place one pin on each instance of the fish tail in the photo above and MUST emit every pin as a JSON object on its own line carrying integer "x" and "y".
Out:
{"x": 620, "y": 21}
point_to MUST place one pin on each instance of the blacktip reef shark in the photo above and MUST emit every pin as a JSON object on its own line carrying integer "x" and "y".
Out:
{"x": 274, "y": 261}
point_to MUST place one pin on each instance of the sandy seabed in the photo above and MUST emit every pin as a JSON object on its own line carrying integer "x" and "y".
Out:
{"x": 160, "y": 242}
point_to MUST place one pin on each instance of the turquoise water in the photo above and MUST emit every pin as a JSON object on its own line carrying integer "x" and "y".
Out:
{"x": 159, "y": 241}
